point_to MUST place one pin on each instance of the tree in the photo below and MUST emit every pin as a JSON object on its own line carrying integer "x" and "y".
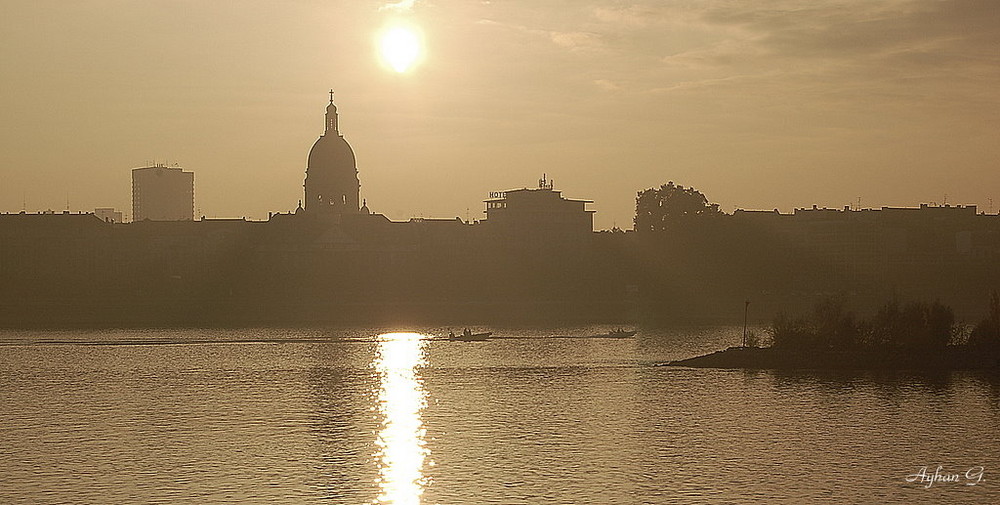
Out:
{"x": 914, "y": 325}
{"x": 835, "y": 325}
{"x": 670, "y": 206}
{"x": 987, "y": 332}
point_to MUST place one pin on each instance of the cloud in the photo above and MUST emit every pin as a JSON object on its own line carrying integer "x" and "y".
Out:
{"x": 858, "y": 29}
{"x": 575, "y": 40}
{"x": 638, "y": 15}
{"x": 633, "y": 15}
{"x": 896, "y": 51}
{"x": 572, "y": 40}
{"x": 725, "y": 53}
{"x": 607, "y": 85}
{"x": 848, "y": 51}
{"x": 400, "y": 6}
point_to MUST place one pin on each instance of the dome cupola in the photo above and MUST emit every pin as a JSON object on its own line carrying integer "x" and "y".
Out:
{"x": 332, "y": 184}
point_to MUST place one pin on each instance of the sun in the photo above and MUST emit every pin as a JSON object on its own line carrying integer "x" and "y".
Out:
{"x": 400, "y": 48}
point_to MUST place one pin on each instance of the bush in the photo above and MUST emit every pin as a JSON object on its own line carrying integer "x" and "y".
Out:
{"x": 786, "y": 332}
{"x": 916, "y": 324}
{"x": 910, "y": 326}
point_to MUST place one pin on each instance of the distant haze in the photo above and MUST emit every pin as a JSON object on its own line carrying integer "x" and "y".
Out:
{"x": 781, "y": 103}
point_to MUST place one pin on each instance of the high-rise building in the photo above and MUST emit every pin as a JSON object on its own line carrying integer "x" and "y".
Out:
{"x": 332, "y": 184}
{"x": 162, "y": 193}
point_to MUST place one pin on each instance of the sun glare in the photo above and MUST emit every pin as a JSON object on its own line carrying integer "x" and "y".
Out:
{"x": 400, "y": 48}
{"x": 402, "y": 449}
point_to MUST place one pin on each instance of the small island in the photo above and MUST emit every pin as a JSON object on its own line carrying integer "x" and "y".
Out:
{"x": 912, "y": 336}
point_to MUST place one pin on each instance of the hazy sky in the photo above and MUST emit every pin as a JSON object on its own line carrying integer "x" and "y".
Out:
{"x": 777, "y": 103}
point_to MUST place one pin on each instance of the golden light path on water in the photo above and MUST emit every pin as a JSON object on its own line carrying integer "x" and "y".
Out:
{"x": 401, "y": 446}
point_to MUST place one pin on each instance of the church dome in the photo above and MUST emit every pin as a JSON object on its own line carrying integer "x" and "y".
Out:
{"x": 332, "y": 183}
{"x": 331, "y": 156}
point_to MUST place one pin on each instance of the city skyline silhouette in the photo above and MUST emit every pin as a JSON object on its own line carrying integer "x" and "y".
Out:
{"x": 760, "y": 109}
{"x": 448, "y": 252}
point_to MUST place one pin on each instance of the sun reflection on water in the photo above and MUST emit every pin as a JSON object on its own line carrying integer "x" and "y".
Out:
{"x": 401, "y": 447}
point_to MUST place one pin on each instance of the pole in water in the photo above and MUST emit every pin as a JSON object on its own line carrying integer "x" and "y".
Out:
{"x": 746, "y": 310}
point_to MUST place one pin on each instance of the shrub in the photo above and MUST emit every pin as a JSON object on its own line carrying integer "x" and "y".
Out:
{"x": 787, "y": 332}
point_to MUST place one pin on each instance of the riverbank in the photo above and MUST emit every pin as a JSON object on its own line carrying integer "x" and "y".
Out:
{"x": 204, "y": 313}
{"x": 949, "y": 358}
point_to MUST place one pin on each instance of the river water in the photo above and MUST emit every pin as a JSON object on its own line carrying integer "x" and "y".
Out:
{"x": 399, "y": 415}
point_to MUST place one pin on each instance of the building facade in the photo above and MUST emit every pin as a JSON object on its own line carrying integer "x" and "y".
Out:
{"x": 539, "y": 214}
{"x": 162, "y": 193}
